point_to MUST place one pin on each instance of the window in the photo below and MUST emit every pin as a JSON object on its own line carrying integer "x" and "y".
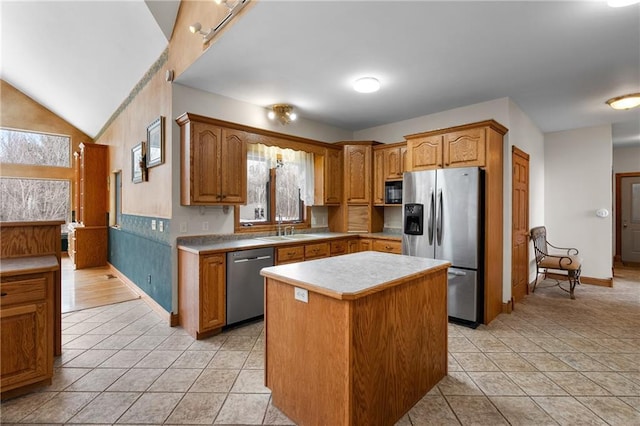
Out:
{"x": 279, "y": 185}
{"x": 35, "y": 193}
{"x": 30, "y": 148}
{"x": 34, "y": 199}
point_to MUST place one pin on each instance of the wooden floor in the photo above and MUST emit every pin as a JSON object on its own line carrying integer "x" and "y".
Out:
{"x": 91, "y": 287}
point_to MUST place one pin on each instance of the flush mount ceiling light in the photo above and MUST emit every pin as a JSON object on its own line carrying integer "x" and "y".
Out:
{"x": 366, "y": 85}
{"x": 621, "y": 3}
{"x": 283, "y": 113}
{"x": 625, "y": 102}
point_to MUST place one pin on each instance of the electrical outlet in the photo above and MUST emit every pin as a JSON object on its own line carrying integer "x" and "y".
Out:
{"x": 149, "y": 279}
{"x": 153, "y": 224}
{"x": 183, "y": 227}
{"x": 160, "y": 226}
{"x": 205, "y": 226}
{"x": 301, "y": 294}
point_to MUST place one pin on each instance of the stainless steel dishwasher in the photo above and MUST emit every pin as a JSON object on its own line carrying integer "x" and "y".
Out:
{"x": 245, "y": 285}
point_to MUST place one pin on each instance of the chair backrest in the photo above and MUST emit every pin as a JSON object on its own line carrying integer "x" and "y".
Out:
{"x": 539, "y": 238}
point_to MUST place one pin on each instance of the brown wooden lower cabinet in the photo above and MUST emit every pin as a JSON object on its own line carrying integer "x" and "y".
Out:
{"x": 27, "y": 323}
{"x": 201, "y": 293}
{"x": 387, "y": 246}
{"x": 88, "y": 246}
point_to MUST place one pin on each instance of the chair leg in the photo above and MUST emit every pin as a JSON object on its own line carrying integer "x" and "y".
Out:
{"x": 535, "y": 282}
{"x": 574, "y": 278}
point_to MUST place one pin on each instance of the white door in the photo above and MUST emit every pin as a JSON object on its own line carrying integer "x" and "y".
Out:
{"x": 630, "y": 216}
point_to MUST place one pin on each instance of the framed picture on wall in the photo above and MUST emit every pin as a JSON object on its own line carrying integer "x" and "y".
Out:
{"x": 138, "y": 163}
{"x": 155, "y": 142}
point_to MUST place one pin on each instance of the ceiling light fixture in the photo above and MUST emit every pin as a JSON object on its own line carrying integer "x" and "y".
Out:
{"x": 366, "y": 85}
{"x": 625, "y": 102}
{"x": 234, "y": 8}
{"x": 621, "y": 3}
{"x": 283, "y": 113}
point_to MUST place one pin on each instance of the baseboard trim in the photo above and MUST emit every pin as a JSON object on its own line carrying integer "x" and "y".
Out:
{"x": 603, "y": 282}
{"x": 507, "y": 307}
{"x": 169, "y": 317}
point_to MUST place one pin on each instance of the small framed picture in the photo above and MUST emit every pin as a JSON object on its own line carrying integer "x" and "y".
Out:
{"x": 138, "y": 163}
{"x": 155, "y": 142}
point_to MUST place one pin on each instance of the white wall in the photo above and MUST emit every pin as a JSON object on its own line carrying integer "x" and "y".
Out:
{"x": 578, "y": 181}
{"x": 395, "y": 132}
{"x": 626, "y": 159}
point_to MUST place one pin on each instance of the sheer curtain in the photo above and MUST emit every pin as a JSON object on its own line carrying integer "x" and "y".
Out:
{"x": 288, "y": 157}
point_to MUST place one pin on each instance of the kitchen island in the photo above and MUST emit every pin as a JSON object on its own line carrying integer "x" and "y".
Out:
{"x": 355, "y": 339}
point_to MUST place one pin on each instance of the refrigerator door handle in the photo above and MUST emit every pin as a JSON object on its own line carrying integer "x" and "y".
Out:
{"x": 439, "y": 219}
{"x": 456, "y": 273}
{"x": 431, "y": 218}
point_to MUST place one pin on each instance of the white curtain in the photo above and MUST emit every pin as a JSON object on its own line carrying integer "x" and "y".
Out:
{"x": 276, "y": 157}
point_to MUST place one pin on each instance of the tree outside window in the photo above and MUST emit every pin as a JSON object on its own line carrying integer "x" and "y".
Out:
{"x": 278, "y": 185}
{"x": 34, "y": 199}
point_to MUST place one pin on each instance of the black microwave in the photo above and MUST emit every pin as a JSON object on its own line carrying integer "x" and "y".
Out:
{"x": 393, "y": 192}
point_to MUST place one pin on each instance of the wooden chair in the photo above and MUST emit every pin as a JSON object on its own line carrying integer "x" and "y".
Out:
{"x": 564, "y": 261}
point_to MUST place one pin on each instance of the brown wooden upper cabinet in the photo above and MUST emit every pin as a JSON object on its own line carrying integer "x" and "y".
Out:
{"x": 91, "y": 165}
{"x": 357, "y": 165}
{"x": 464, "y": 148}
{"x": 394, "y": 162}
{"x": 328, "y": 177}
{"x": 213, "y": 163}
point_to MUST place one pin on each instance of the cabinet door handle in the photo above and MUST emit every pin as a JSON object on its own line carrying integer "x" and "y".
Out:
{"x": 3, "y": 294}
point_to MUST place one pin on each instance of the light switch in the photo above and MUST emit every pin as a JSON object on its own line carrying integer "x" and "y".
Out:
{"x": 160, "y": 226}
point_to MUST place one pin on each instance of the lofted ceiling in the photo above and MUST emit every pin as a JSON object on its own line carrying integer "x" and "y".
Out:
{"x": 559, "y": 61}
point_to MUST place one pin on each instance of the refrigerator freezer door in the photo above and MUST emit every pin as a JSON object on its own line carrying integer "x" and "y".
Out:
{"x": 462, "y": 295}
{"x": 457, "y": 224}
{"x": 419, "y": 188}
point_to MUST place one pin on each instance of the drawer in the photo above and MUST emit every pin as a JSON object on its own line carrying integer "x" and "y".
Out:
{"x": 289, "y": 254}
{"x": 17, "y": 290}
{"x": 313, "y": 251}
{"x": 339, "y": 247}
{"x": 387, "y": 246}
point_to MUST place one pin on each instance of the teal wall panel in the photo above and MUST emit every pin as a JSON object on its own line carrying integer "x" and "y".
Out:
{"x": 143, "y": 256}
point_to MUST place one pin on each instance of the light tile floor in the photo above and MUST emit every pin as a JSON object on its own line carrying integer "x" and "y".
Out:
{"x": 552, "y": 361}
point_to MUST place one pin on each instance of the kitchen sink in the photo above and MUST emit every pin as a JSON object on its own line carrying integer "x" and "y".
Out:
{"x": 293, "y": 237}
{"x": 274, "y": 238}
{"x": 300, "y": 236}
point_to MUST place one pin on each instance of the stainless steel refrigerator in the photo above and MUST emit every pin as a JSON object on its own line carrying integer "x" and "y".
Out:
{"x": 443, "y": 219}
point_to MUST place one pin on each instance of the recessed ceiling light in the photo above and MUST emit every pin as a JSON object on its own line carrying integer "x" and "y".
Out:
{"x": 625, "y": 102}
{"x": 621, "y": 3}
{"x": 366, "y": 85}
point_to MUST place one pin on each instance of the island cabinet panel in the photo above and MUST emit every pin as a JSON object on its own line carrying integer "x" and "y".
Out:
{"x": 201, "y": 293}
{"x": 361, "y": 361}
{"x": 213, "y": 162}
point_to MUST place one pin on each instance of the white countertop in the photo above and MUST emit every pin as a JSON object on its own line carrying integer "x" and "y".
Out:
{"x": 350, "y": 275}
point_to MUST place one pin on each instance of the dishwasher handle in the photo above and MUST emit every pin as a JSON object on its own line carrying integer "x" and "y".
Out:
{"x": 250, "y": 259}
